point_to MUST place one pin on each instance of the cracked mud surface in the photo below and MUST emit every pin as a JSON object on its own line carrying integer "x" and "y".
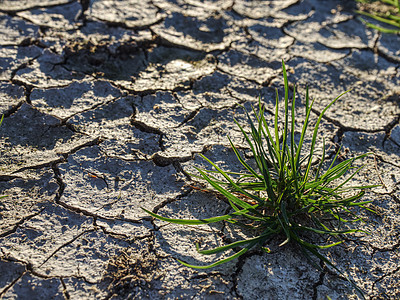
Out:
{"x": 106, "y": 105}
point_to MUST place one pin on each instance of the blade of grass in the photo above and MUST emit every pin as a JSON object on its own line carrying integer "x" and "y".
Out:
{"x": 258, "y": 239}
{"x": 315, "y": 134}
{"x": 241, "y": 252}
{"x": 201, "y": 221}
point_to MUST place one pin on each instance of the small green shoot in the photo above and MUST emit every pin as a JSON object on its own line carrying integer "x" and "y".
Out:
{"x": 390, "y": 16}
{"x": 286, "y": 194}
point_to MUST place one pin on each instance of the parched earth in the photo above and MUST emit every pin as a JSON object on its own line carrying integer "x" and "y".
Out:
{"x": 106, "y": 105}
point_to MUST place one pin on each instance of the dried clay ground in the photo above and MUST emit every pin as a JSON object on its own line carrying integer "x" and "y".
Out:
{"x": 107, "y": 103}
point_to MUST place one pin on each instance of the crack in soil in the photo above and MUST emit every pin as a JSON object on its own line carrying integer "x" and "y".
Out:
{"x": 129, "y": 271}
{"x": 64, "y": 245}
{"x": 19, "y": 223}
{"x": 65, "y": 292}
{"x": 319, "y": 282}
{"x": 12, "y": 283}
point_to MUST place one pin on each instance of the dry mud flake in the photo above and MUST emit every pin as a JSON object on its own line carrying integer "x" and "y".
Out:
{"x": 196, "y": 128}
{"x": 387, "y": 151}
{"x": 142, "y": 273}
{"x": 118, "y": 40}
{"x": 322, "y": 11}
{"x": 209, "y": 127}
{"x": 261, "y": 9}
{"x": 101, "y": 50}
{"x": 79, "y": 288}
{"x": 11, "y": 96}
{"x": 35, "y": 288}
{"x": 193, "y": 8}
{"x": 60, "y": 17}
{"x": 382, "y": 168}
{"x": 12, "y": 58}
{"x": 172, "y": 68}
{"x": 220, "y": 90}
{"x": 30, "y": 138}
{"x": 395, "y": 138}
{"x": 47, "y": 71}
{"x": 110, "y": 120}
{"x": 335, "y": 289}
{"x": 60, "y": 242}
{"x": 371, "y": 260}
{"x": 138, "y": 145}
{"x": 207, "y": 34}
{"x": 374, "y": 271}
{"x": 9, "y": 272}
{"x": 249, "y": 67}
{"x": 370, "y": 67}
{"x": 131, "y": 13}
{"x": 213, "y": 113}
{"x": 388, "y": 45}
{"x": 113, "y": 121}
{"x": 383, "y": 235}
{"x": 211, "y": 4}
{"x": 86, "y": 255}
{"x": 36, "y": 240}
{"x": 385, "y": 288}
{"x": 281, "y": 275}
{"x": 24, "y": 198}
{"x": 88, "y": 47}
{"x": 317, "y": 52}
{"x": 98, "y": 61}
{"x": 180, "y": 240}
{"x": 160, "y": 111}
{"x": 268, "y": 41}
{"x": 19, "y": 5}
{"x": 269, "y": 34}
{"x": 130, "y": 274}
{"x": 340, "y": 33}
{"x": 128, "y": 65}
{"x": 360, "y": 108}
{"x": 202, "y": 285}
{"x": 324, "y": 80}
{"x": 347, "y": 34}
{"x": 14, "y": 31}
{"x": 76, "y": 98}
{"x": 113, "y": 188}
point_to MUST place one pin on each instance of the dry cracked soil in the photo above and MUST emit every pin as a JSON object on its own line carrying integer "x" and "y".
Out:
{"x": 106, "y": 106}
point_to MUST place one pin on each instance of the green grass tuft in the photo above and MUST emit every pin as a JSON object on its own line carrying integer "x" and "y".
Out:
{"x": 285, "y": 195}
{"x": 389, "y": 16}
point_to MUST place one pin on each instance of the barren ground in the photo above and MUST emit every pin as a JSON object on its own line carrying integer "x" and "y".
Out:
{"x": 106, "y": 102}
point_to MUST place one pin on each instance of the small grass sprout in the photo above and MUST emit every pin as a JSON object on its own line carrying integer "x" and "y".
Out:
{"x": 387, "y": 13}
{"x": 284, "y": 193}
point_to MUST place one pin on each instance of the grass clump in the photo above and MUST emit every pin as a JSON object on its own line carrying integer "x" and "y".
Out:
{"x": 386, "y": 12}
{"x": 286, "y": 194}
